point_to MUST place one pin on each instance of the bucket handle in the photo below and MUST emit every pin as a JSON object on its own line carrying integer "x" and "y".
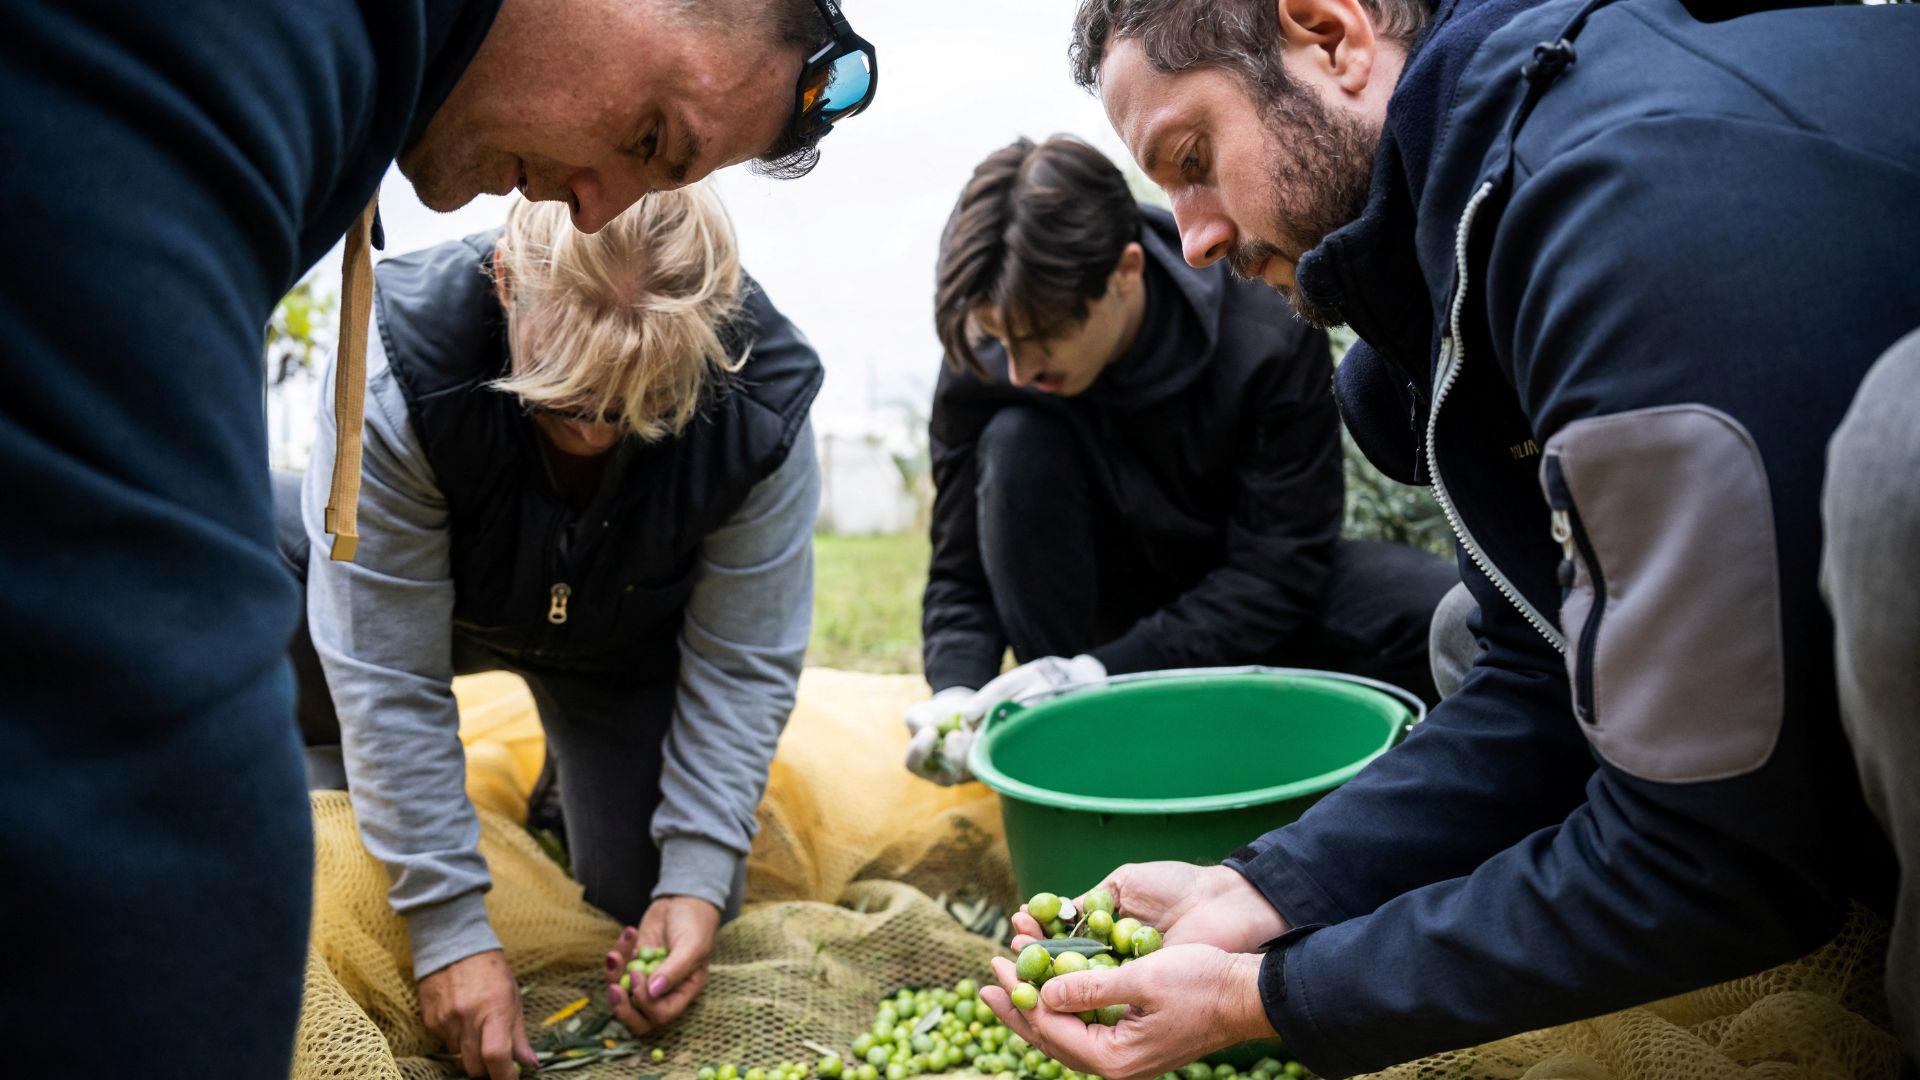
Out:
{"x": 1416, "y": 708}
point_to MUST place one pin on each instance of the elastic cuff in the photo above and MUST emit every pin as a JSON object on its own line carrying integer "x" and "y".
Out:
{"x": 1286, "y": 992}
{"x": 1129, "y": 653}
{"x": 1286, "y": 884}
{"x": 450, "y": 931}
{"x": 970, "y": 670}
{"x": 698, "y": 867}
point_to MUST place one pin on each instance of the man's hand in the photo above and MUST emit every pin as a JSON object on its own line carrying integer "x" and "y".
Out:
{"x": 685, "y": 927}
{"x": 941, "y": 737}
{"x": 1190, "y": 905}
{"x": 1035, "y": 676}
{"x": 1183, "y": 1003}
{"x": 473, "y": 1006}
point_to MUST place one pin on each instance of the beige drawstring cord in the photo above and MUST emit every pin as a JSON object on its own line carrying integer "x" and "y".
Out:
{"x": 350, "y": 385}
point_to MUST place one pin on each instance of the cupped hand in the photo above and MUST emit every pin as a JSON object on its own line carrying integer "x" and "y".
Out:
{"x": 473, "y": 1007}
{"x": 683, "y": 925}
{"x": 1189, "y": 905}
{"x": 1183, "y": 1003}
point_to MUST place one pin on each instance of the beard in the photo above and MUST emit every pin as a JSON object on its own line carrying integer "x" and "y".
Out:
{"x": 1322, "y": 170}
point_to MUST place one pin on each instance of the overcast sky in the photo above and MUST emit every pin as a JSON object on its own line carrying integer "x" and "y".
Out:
{"x": 848, "y": 252}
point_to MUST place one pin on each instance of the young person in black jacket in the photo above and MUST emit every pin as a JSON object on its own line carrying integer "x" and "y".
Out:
{"x": 1137, "y": 463}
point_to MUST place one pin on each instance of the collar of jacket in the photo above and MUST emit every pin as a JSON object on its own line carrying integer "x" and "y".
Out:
{"x": 1369, "y": 270}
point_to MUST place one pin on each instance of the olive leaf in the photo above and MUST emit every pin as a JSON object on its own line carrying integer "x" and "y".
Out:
{"x": 1085, "y": 946}
{"x": 929, "y": 1022}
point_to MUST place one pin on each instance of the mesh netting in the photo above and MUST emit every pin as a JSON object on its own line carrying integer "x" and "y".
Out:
{"x": 782, "y": 974}
{"x": 843, "y": 822}
{"x": 1823, "y": 1017}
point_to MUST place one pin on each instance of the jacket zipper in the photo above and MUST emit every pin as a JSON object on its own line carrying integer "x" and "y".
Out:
{"x": 1451, "y": 357}
{"x": 557, "y": 605}
{"x": 1573, "y": 540}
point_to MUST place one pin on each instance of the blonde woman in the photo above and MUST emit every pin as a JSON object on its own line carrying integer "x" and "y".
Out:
{"x": 588, "y": 462}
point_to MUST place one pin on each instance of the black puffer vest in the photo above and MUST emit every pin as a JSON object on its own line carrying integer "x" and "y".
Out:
{"x": 600, "y": 589}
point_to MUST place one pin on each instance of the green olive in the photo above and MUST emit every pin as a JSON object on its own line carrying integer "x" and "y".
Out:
{"x": 1102, "y": 960}
{"x": 657, "y": 1055}
{"x": 626, "y": 982}
{"x": 830, "y": 1066}
{"x": 1025, "y": 996}
{"x": 1056, "y": 929}
{"x": 1112, "y": 1014}
{"x": 1098, "y": 900}
{"x": 1121, "y": 937}
{"x": 1099, "y": 924}
{"x": 1033, "y": 963}
{"x": 1146, "y": 940}
{"x": 1044, "y": 907}
{"x": 1068, "y": 962}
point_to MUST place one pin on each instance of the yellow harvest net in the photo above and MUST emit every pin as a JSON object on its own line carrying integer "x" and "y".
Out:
{"x": 850, "y": 849}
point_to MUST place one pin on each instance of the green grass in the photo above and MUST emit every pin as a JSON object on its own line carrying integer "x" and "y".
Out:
{"x": 866, "y": 602}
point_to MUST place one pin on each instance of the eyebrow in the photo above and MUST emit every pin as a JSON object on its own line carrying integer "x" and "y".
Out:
{"x": 689, "y": 150}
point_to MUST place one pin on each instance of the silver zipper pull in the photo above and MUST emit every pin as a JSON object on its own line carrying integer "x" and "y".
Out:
{"x": 1563, "y": 532}
{"x": 557, "y": 609}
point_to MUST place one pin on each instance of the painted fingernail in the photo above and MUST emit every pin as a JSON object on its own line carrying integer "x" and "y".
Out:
{"x": 613, "y": 995}
{"x": 613, "y": 961}
{"x": 658, "y": 986}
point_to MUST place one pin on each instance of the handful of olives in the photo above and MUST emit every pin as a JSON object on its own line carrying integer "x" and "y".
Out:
{"x": 644, "y": 963}
{"x": 1107, "y": 942}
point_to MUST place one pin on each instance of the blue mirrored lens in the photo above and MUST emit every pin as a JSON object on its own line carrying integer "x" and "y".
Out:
{"x": 847, "y": 85}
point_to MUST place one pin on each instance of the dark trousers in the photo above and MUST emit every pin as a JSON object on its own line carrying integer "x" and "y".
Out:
{"x": 1067, "y": 575}
{"x": 604, "y": 736}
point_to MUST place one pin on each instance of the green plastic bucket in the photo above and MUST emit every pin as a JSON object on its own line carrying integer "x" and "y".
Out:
{"x": 1185, "y": 765}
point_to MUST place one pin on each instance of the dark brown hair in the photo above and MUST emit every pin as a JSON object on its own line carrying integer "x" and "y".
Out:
{"x": 1035, "y": 236}
{"x": 1238, "y": 36}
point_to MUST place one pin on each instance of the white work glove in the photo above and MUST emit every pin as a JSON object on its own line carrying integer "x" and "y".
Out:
{"x": 934, "y": 723}
{"x": 1034, "y": 677}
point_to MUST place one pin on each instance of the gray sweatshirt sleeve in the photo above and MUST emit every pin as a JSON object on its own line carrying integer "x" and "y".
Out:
{"x": 383, "y": 626}
{"x": 741, "y": 646}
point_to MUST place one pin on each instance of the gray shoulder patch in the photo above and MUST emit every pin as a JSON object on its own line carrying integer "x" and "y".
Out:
{"x": 1673, "y": 612}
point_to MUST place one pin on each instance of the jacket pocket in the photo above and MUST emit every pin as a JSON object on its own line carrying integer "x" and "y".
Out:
{"x": 1672, "y": 595}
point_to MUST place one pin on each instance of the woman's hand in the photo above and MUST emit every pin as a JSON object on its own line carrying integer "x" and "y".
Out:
{"x": 685, "y": 927}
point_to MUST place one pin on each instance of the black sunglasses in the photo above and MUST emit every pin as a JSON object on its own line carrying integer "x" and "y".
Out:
{"x": 838, "y": 80}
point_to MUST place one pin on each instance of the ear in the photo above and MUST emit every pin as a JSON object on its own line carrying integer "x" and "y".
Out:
{"x": 1335, "y": 38}
{"x": 500, "y": 274}
{"x": 1132, "y": 264}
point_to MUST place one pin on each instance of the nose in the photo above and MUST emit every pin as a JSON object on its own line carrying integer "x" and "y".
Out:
{"x": 590, "y": 434}
{"x": 1206, "y": 234}
{"x": 1019, "y": 374}
{"x": 600, "y": 196}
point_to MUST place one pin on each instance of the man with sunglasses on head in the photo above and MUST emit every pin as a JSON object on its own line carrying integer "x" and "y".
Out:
{"x": 174, "y": 168}
{"x": 1137, "y": 464}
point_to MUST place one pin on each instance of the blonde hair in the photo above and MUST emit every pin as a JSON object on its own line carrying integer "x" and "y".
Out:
{"x": 626, "y": 323}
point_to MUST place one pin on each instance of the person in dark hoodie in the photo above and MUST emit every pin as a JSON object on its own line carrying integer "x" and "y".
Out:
{"x": 1136, "y": 463}
{"x": 1620, "y": 272}
{"x": 174, "y": 168}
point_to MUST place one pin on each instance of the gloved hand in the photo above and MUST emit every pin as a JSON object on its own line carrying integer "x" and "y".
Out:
{"x": 934, "y": 723}
{"x": 939, "y": 752}
{"x": 1037, "y": 676}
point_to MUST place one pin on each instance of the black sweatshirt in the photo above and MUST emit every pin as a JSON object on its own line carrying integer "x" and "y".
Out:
{"x": 1215, "y": 440}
